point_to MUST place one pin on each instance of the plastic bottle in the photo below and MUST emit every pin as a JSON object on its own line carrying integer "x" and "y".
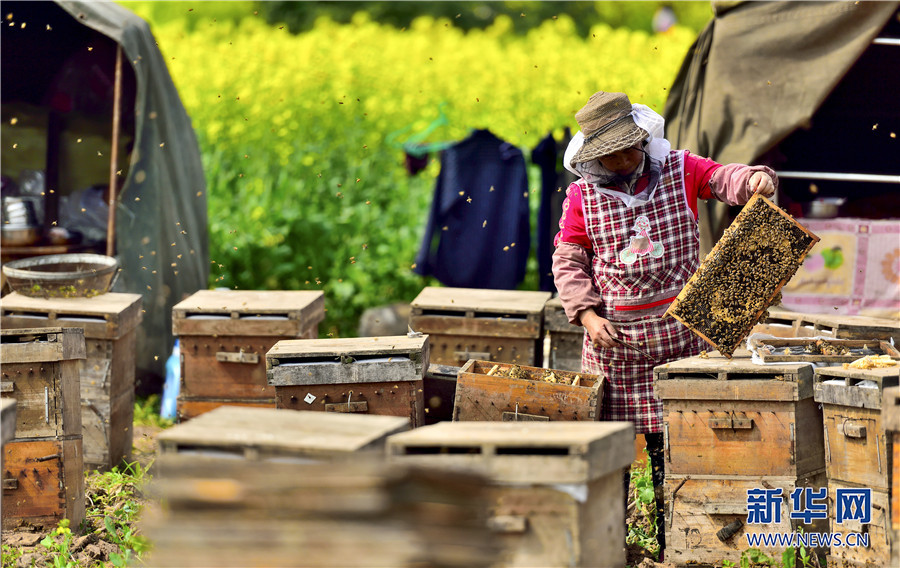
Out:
{"x": 172, "y": 385}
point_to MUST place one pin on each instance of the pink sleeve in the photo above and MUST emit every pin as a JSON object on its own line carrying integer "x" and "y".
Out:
{"x": 697, "y": 174}
{"x": 572, "y": 276}
{"x": 707, "y": 179}
{"x": 571, "y": 223}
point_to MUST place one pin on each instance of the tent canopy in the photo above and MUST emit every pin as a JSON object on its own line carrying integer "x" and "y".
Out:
{"x": 161, "y": 238}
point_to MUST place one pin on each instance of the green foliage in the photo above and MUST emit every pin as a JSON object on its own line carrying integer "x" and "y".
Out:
{"x": 146, "y": 412}
{"x": 301, "y": 135}
{"x": 643, "y": 531}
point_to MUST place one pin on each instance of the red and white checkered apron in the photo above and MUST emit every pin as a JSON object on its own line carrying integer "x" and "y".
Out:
{"x": 640, "y": 253}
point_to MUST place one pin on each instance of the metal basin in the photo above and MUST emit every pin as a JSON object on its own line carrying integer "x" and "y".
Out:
{"x": 62, "y": 275}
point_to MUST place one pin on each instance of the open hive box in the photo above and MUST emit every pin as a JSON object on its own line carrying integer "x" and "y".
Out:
{"x": 515, "y": 393}
{"x": 742, "y": 275}
{"x": 830, "y": 351}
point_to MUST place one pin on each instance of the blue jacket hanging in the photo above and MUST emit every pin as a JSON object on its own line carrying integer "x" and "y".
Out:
{"x": 478, "y": 233}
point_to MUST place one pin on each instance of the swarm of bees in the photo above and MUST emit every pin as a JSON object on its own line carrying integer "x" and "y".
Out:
{"x": 742, "y": 276}
{"x": 821, "y": 347}
{"x": 548, "y": 376}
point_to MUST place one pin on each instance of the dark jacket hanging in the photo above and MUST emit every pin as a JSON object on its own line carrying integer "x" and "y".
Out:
{"x": 478, "y": 233}
{"x": 548, "y": 155}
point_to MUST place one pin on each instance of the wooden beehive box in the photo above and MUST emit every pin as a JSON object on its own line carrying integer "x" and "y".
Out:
{"x": 369, "y": 375}
{"x": 7, "y": 430}
{"x": 224, "y": 336}
{"x": 270, "y": 434}
{"x": 857, "y": 448}
{"x": 890, "y": 409}
{"x": 40, "y": 371}
{"x": 110, "y": 323}
{"x": 537, "y": 522}
{"x": 490, "y": 325}
{"x": 566, "y": 340}
{"x": 819, "y": 351}
{"x": 505, "y": 392}
{"x": 786, "y": 323}
{"x": 742, "y": 275}
{"x": 734, "y": 417}
{"x": 706, "y": 517}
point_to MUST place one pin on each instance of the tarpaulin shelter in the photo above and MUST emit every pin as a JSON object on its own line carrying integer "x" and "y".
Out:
{"x": 809, "y": 88}
{"x": 58, "y": 75}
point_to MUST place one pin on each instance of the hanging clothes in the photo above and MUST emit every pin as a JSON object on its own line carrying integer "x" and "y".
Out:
{"x": 548, "y": 155}
{"x": 478, "y": 233}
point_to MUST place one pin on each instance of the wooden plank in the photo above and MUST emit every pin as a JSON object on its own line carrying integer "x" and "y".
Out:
{"x": 700, "y": 389}
{"x": 107, "y": 431}
{"x": 520, "y": 452}
{"x": 740, "y": 369}
{"x": 395, "y": 398}
{"x": 47, "y": 398}
{"x": 35, "y": 345}
{"x": 480, "y": 300}
{"x": 698, "y": 508}
{"x": 528, "y": 327}
{"x": 188, "y": 408}
{"x": 878, "y": 552}
{"x": 107, "y": 316}
{"x": 857, "y": 449}
{"x": 890, "y": 408}
{"x": 743, "y": 437}
{"x": 281, "y": 432}
{"x": 743, "y": 273}
{"x": 840, "y": 326}
{"x": 203, "y": 375}
{"x": 481, "y": 397}
{"x": 43, "y": 482}
{"x": 248, "y": 312}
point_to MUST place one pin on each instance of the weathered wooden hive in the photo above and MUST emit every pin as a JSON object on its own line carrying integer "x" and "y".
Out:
{"x": 891, "y": 416}
{"x": 566, "y": 340}
{"x": 742, "y": 275}
{"x": 369, "y": 375}
{"x": 223, "y": 339}
{"x": 110, "y": 322}
{"x": 43, "y": 471}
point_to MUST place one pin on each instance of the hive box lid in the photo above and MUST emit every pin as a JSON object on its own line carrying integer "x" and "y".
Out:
{"x": 520, "y": 452}
{"x": 476, "y": 299}
{"x": 347, "y": 360}
{"x": 859, "y": 388}
{"x": 248, "y": 312}
{"x": 107, "y": 316}
{"x": 41, "y": 345}
{"x": 269, "y": 432}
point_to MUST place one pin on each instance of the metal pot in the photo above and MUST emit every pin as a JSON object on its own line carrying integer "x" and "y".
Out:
{"x": 824, "y": 207}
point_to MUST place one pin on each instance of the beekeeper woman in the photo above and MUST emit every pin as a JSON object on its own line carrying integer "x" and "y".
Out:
{"x": 628, "y": 243}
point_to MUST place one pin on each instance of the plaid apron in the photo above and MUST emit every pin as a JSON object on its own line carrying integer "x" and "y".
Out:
{"x": 641, "y": 253}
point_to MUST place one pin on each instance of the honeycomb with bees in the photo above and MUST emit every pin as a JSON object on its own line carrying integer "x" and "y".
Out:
{"x": 742, "y": 275}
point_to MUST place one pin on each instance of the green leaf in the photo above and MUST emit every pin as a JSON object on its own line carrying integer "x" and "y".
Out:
{"x": 116, "y": 559}
{"x": 646, "y": 495}
{"x": 48, "y": 542}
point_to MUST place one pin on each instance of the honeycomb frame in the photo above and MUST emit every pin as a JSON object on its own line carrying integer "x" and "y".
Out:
{"x": 742, "y": 275}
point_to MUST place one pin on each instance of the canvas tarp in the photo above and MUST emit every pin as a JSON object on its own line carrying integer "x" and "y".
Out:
{"x": 161, "y": 221}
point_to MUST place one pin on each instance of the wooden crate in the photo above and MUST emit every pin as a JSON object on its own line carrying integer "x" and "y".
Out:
{"x": 439, "y": 390}
{"x": 857, "y": 448}
{"x": 369, "y": 375}
{"x": 733, "y": 417}
{"x": 273, "y": 434}
{"x": 40, "y": 371}
{"x": 699, "y": 507}
{"x": 110, "y": 322}
{"x": 890, "y": 410}
{"x": 224, "y": 336}
{"x": 485, "y": 391}
{"x": 781, "y": 322}
{"x": 43, "y": 482}
{"x": 536, "y": 521}
{"x": 490, "y": 325}
{"x": 7, "y": 420}
{"x": 879, "y": 533}
{"x": 833, "y": 351}
{"x": 743, "y": 273}
{"x": 566, "y": 340}
{"x": 363, "y": 512}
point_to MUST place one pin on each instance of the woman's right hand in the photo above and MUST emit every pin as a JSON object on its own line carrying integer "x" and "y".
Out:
{"x": 600, "y": 330}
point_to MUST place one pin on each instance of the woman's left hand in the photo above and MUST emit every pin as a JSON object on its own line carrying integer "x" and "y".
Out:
{"x": 761, "y": 183}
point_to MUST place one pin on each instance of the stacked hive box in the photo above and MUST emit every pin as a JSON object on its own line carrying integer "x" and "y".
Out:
{"x": 891, "y": 414}
{"x": 489, "y": 325}
{"x": 7, "y": 430}
{"x": 555, "y": 489}
{"x": 504, "y": 392}
{"x": 267, "y": 487}
{"x": 785, "y": 323}
{"x": 566, "y": 340}
{"x": 732, "y": 426}
{"x": 110, "y": 323}
{"x": 858, "y": 455}
{"x": 224, "y": 336}
{"x": 368, "y": 375}
{"x": 43, "y": 471}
